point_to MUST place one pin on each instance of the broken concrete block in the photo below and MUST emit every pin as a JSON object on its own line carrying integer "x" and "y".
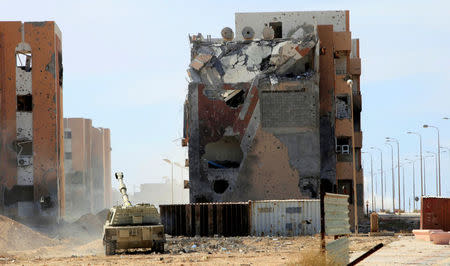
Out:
{"x": 268, "y": 33}
{"x": 194, "y": 76}
{"x": 200, "y": 60}
{"x": 440, "y": 238}
{"x": 300, "y": 33}
{"x": 239, "y": 74}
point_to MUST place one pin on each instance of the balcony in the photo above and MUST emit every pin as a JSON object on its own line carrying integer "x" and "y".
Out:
{"x": 342, "y": 41}
{"x": 343, "y": 127}
{"x": 358, "y": 139}
{"x": 355, "y": 66}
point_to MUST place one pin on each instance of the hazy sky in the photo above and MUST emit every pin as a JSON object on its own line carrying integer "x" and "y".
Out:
{"x": 125, "y": 68}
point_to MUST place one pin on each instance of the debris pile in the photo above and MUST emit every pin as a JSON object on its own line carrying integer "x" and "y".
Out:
{"x": 216, "y": 63}
{"x": 16, "y": 236}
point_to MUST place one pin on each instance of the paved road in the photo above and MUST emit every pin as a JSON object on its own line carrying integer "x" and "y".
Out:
{"x": 409, "y": 251}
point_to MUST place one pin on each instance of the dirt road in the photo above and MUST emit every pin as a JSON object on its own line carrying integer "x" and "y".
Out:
{"x": 187, "y": 251}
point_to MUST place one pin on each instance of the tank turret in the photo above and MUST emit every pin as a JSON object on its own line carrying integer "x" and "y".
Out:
{"x": 123, "y": 190}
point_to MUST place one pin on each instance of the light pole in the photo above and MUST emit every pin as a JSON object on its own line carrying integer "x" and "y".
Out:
{"x": 433, "y": 154}
{"x": 398, "y": 165}
{"x": 393, "y": 177}
{"x": 438, "y": 155}
{"x": 381, "y": 157}
{"x": 414, "y": 184}
{"x": 170, "y": 162}
{"x": 403, "y": 177}
{"x": 421, "y": 161}
{"x": 371, "y": 178}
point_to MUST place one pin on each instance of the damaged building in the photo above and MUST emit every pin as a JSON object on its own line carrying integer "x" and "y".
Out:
{"x": 87, "y": 165}
{"x": 31, "y": 121}
{"x": 273, "y": 109}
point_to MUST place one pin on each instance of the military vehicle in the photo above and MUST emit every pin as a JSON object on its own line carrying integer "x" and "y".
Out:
{"x": 132, "y": 226}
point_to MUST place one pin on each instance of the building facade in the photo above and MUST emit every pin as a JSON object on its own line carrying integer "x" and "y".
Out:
{"x": 271, "y": 112}
{"x": 87, "y": 160}
{"x": 31, "y": 121}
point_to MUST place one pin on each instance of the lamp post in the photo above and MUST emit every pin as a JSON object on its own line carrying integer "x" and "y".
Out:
{"x": 414, "y": 183}
{"x": 371, "y": 178}
{"x": 438, "y": 155}
{"x": 393, "y": 177}
{"x": 403, "y": 177}
{"x": 398, "y": 165}
{"x": 171, "y": 163}
{"x": 433, "y": 154}
{"x": 381, "y": 157}
{"x": 421, "y": 160}
{"x": 355, "y": 199}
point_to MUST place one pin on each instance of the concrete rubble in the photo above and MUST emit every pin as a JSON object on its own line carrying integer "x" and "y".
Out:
{"x": 235, "y": 80}
{"x": 219, "y": 62}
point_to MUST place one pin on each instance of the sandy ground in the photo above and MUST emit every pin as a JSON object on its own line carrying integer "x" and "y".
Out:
{"x": 188, "y": 251}
{"x": 409, "y": 251}
{"x": 80, "y": 243}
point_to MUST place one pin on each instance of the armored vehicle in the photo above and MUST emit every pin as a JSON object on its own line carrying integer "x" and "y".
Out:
{"x": 132, "y": 226}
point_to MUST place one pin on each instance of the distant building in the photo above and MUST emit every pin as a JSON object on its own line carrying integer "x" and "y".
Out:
{"x": 270, "y": 111}
{"x": 161, "y": 193}
{"x": 87, "y": 167}
{"x": 31, "y": 121}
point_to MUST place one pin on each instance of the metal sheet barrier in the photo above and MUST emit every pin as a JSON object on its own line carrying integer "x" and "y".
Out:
{"x": 338, "y": 251}
{"x": 206, "y": 219}
{"x": 336, "y": 214}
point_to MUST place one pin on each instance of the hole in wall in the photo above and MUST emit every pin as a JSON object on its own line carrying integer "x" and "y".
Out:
{"x": 24, "y": 103}
{"x": 223, "y": 154}
{"x": 277, "y": 29}
{"x": 220, "y": 186}
{"x": 23, "y": 61}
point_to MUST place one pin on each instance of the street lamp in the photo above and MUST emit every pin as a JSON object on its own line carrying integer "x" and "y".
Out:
{"x": 437, "y": 175}
{"x": 371, "y": 177}
{"x": 421, "y": 160}
{"x": 355, "y": 200}
{"x": 388, "y": 139}
{"x": 382, "y": 194}
{"x": 438, "y": 155}
{"x": 414, "y": 183}
{"x": 393, "y": 177}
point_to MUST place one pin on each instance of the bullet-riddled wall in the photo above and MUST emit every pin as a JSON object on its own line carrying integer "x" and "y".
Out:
{"x": 31, "y": 125}
{"x": 269, "y": 111}
{"x": 88, "y": 167}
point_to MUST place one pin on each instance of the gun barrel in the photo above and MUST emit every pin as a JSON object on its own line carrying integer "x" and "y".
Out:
{"x": 123, "y": 189}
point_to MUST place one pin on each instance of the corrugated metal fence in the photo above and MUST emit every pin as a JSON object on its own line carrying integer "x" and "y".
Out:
{"x": 206, "y": 219}
{"x": 269, "y": 217}
{"x": 285, "y": 217}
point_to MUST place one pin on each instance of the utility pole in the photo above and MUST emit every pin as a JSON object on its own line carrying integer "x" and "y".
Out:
{"x": 438, "y": 158}
{"x": 398, "y": 169}
{"x": 382, "y": 194}
{"x": 393, "y": 177}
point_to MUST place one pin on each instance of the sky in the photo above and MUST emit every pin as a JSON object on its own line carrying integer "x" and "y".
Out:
{"x": 125, "y": 68}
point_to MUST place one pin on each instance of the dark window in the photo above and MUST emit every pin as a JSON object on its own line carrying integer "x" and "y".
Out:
{"x": 343, "y": 107}
{"x": 24, "y": 103}
{"x": 346, "y": 187}
{"x": 68, "y": 155}
{"x": 24, "y": 147}
{"x": 277, "y": 28}
{"x": 67, "y": 134}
